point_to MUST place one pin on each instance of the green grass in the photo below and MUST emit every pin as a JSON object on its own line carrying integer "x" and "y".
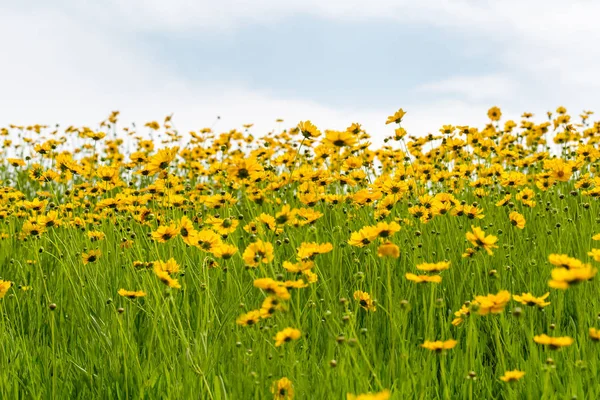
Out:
{"x": 185, "y": 343}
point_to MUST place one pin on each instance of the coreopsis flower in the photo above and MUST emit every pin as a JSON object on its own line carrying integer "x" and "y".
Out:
{"x": 206, "y": 240}
{"x": 386, "y": 230}
{"x": 388, "y": 249}
{"x": 339, "y": 138}
{"x": 161, "y": 160}
{"x": 564, "y": 261}
{"x": 91, "y": 256}
{"x": 224, "y": 251}
{"x": 257, "y": 253}
{"x": 517, "y": 219}
{"x": 309, "y": 130}
{"x": 594, "y": 334}
{"x": 553, "y": 342}
{"x": 308, "y": 251}
{"x": 170, "y": 266}
{"x": 595, "y": 254}
{"x": 494, "y": 113}
{"x": 563, "y": 278}
{"x": 272, "y": 287}
{"x": 269, "y": 306}
{"x": 396, "y": 118}
{"x": 4, "y": 286}
{"x": 511, "y": 376}
{"x": 439, "y": 346}
{"x": 282, "y": 389}
{"x": 434, "y": 267}
{"x": 596, "y": 236}
{"x": 166, "y": 278}
{"x": 165, "y": 233}
{"x": 383, "y": 395}
{"x": 461, "y": 314}
{"x": 423, "y": 278}
{"x": 131, "y": 294}
{"x": 530, "y": 300}
{"x": 186, "y": 230}
{"x": 248, "y": 319}
{"x": 479, "y": 239}
{"x": 493, "y": 303}
{"x": 286, "y": 335}
{"x": 363, "y": 237}
{"x": 365, "y": 300}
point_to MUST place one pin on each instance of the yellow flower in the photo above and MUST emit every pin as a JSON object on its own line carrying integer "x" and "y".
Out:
{"x": 282, "y": 389}
{"x": 423, "y": 278}
{"x": 494, "y": 114}
{"x": 553, "y": 342}
{"x": 595, "y": 254}
{"x": 479, "y": 239}
{"x": 388, "y": 249}
{"x": 529, "y": 300}
{"x": 562, "y": 278}
{"x": 164, "y": 233}
{"x": 595, "y": 334}
{"x": 434, "y": 267}
{"x": 365, "y": 301}
{"x": 493, "y": 303}
{"x": 286, "y": 335}
{"x": 91, "y": 256}
{"x": 4, "y": 286}
{"x": 510, "y": 376}
{"x": 272, "y": 287}
{"x": 308, "y": 251}
{"x": 397, "y": 117}
{"x": 131, "y": 294}
{"x": 438, "y": 346}
{"x": 383, "y": 395}
{"x": 339, "y": 138}
{"x": 517, "y": 219}
{"x": 308, "y": 129}
{"x": 248, "y": 319}
{"x": 257, "y": 253}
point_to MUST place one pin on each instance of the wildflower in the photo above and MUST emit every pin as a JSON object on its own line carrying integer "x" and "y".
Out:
{"x": 339, "y": 138}
{"x": 438, "y": 346}
{"x": 388, "y": 249}
{"x": 272, "y": 287}
{"x": 479, "y": 239}
{"x": 248, "y": 319}
{"x": 494, "y": 114}
{"x": 224, "y": 251}
{"x": 423, "y": 278}
{"x": 529, "y": 300}
{"x": 553, "y": 342}
{"x": 166, "y": 278}
{"x": 564, "y": 261}
{"x": 385, "y": 230}
{"x": 170, "y": 266}
{"x": 269, "y": 306}
{"x": 595, "y": 254}
{"x": 131, "y": 294}
{"x": 91, "y": 256}
{"x": 257, "y": 253}
{"x": 309, "y": 130}
{"x": 4, "y": 286}
{"x": 596, "y": 236}
{"x": 594, "y": 334}
{"x": 161, "y": 160}
{"x": 396, "y": 118}
{"x": 562, "y": 278}
{"x": 286, "y": 335}
{"x": 365, "y": 301}
{"x": 511, "y": 376}
{"x": 308, "y": 251}
{"x": 493, "y": 303}
{"x": 517, "y": 219}
{"x": 383, "y": 395}
{"x": 164, "y": 233}
{"x": 282, "y": 389}
{"x": 363, "y": 237}
{"x": 434, "y": 267}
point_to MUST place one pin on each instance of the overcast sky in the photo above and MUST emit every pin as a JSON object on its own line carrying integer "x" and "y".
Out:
{"x": 333, "y": 62}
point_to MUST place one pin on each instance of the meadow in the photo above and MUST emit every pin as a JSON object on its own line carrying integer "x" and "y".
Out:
{"x": 301, "y": 263}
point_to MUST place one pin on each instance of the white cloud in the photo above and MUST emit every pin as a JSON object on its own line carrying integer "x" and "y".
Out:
{"x": 490, "y": 88}
{"x": 60, "y": 69}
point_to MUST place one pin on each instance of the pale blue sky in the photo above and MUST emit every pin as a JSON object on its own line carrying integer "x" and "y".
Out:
{"x": 332, "y": 62}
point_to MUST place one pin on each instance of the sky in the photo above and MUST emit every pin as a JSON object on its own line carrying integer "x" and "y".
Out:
{"x": 332, "y": 62}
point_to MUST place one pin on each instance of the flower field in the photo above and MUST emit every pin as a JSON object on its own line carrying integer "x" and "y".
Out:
{"x": 302, "y": 263}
